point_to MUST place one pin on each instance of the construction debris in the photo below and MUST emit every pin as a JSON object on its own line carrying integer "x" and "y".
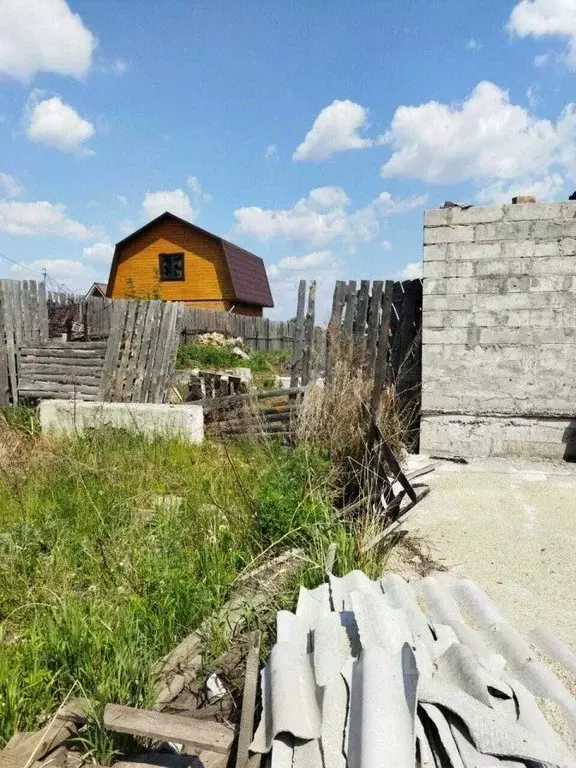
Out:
{"x": 201, "y": 734}
{"x": 362, "y": 677}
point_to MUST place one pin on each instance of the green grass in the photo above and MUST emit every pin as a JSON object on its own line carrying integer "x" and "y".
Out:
{"x": 99, "y": 578}
{"x": 218, "y": 358}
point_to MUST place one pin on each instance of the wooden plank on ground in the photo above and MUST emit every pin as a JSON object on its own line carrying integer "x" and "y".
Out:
{"x": 298, "y": 346}
{"x": 248, "y": 701}
{"x": 202, "y": 734}
{"x": 382, "y": 353}
{"x": 373, "y": 323}
{"x": 33, "y": 746}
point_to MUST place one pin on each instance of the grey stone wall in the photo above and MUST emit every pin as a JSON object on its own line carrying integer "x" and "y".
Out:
{"x": 499, "y": 331}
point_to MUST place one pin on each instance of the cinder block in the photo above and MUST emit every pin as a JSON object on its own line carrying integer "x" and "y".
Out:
{"x": 514, "y": 284}
{"x": 439, "y": 303}
{"x": 445, "y": 335}
{"x": 565, "y": 283}
{"x": 554, "y": 230}
{"x": 506, "y": 230}
{"x": 551, "y": 300}
{"x": 501, "y": 302}
{"x": 435, "y": 252}
{"x": 432, "y": 287}
{"x": 70, "y": 417}
{"x": 437, "y": 269}
{"x": 569, "y": 210}
{"x": 506, "y": 335}
{"x": 533, "y": 211}
{"x": 473, "y": 251}
{"x": 555, "y": 265}
{"x": 438, "y": 235}
{"x": 499, "y": 267}
{"x": 437, "y": 217}
{"x": 567, "y": 247}
{"x": 434, "y": 319}
{"x": 434, "y": 269}
{"x": 477, "y": 215}
{"x": 523, "y": 249}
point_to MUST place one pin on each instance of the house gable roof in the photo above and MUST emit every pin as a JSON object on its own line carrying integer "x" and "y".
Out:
{"x": 247, "y": 271}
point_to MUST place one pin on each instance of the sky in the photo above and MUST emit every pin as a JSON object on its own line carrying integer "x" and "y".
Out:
{"x": 312, "y": 133}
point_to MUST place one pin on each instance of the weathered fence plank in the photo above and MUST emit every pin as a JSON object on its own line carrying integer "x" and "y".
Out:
{"x": 309, "y": 333}
{"x": 297, "y": 351}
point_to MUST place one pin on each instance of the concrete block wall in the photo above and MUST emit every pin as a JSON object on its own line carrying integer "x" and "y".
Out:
{"x": 499, "y": 331}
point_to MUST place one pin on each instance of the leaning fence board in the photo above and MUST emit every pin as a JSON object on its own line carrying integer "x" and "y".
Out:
{"x": 380, "y": 370}
{"x": 173, "y": 728}
{"x": 113, "y": 349}
{"x": 309, "y": 334}
{"x": 152, "y": 309}
{"x": 8, "y": 316}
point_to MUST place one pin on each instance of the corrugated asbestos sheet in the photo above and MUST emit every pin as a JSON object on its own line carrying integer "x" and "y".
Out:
{"x": 390, "y": 675}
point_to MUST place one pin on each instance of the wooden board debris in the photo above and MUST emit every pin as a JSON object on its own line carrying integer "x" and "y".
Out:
{"x": 202, "y": 734}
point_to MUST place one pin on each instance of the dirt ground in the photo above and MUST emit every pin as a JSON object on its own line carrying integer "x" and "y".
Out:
{"x": 508, "y": 524}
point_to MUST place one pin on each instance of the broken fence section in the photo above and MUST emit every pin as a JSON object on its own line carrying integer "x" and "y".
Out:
{"x": 141, "y": 351}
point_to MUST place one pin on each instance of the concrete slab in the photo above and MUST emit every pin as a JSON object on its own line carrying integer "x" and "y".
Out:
{"x": 69, "y": 417}
{"x": 510, "y": 525}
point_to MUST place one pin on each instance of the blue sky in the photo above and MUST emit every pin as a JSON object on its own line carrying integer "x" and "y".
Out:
{"x": 312, "y": 133}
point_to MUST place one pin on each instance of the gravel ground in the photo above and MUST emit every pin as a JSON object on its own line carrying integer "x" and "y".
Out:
{"x": 510, "y": 525}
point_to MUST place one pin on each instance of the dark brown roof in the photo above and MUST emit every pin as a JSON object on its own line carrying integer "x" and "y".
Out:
{"x": 102, "y": 287}
{"x": 247, "y": 271}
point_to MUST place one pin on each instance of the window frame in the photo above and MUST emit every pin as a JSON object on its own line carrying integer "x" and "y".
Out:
{"x": 164, "y": 279}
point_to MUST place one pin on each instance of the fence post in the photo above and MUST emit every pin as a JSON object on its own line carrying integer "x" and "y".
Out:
{"x": 309, "y": 333}
{"x": 297, "y": 346}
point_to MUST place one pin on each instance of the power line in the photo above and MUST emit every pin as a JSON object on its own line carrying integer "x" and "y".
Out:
{"x": 62, "y": 287}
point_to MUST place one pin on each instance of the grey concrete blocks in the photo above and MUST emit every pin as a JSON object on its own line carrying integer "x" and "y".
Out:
{"x": 434, "y": 235}
{"x": 70, "y": 417}
{"x": 499, "y": 330}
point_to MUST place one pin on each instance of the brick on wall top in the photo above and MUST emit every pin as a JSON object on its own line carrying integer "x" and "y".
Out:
{"x": 443, "y": 217}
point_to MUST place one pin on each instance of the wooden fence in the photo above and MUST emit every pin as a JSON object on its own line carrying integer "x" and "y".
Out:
{"x": 57, "y": 369}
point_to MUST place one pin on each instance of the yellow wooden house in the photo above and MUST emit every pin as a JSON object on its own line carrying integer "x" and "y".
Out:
{"x": 171, "y": 259}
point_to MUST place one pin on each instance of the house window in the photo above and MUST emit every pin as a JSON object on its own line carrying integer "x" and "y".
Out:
{"x": 171, "y": 266}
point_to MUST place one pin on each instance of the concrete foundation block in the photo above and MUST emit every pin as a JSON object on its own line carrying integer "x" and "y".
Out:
{"x": 551, "y": 230}
{"x": 474, "y": 252}
{"x": 437, "y": 217}
{"x": 506, "y": 230}
{"x": 478, "y": 215}
{"x": 70, "y": 417}
{"x": 481, "y": 436}
{"x": 533, "y": 211}
{"x": 435, "y": 253}
{"x": 439, "y": 235}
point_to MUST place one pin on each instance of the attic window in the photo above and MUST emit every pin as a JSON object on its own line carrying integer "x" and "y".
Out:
{"x": 171, "y": 266}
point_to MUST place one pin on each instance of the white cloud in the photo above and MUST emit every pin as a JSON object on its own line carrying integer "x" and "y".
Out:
{"x": 322, "y": 217}
{"x": 41, "y": 218}
{"x": 532, "y": 95}
{"x": 321, "y": 266}
{"x": 386, "y": 245}
{"x": 43, "y": 36}
{"x": 55, "y": 124}
{"x": 194, "y": 185}
{"x": 474, "y": 45}
{"x": 175, "y": 201}
{"x": 412, "y": 271}
{"x": 99, "y": 252}
{"x": 545, "y": 18}
{"x": 119, "y": 66}
{"x": 336, "y": 129}
{"x": 541, "y": 60}
{"x": 486, "y": 138}
{"x": 547, "y": 188}
{"x": 57, "y": 267}
{"x": 10, "y": 185}
{"x": 271, "y": 152}
{"x": 122, "y": 199}
{"x": 314, "y": 259}
{"x": 126, "y": 227}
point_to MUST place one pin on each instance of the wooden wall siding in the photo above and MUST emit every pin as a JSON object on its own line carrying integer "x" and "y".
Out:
{"x": 141, "y": 351}
{"x": 205, "y": 270}
{"x": 68, "y": 370}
